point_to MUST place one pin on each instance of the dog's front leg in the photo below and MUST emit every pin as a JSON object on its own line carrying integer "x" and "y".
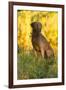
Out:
{"x": 42, "y": 52}
{"x": 35, "y": 53}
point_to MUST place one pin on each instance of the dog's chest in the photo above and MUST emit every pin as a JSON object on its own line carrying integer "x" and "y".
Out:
{"x": 35, "y": 42}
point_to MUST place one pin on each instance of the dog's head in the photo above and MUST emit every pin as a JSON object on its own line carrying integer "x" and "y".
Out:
{"x": 36, "y": 26}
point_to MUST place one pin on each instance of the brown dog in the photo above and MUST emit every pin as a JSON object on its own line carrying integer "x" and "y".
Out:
{"x": 39, "y": 42}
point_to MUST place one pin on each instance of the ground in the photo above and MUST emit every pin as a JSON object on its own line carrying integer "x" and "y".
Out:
{"x": 30, "y": 66}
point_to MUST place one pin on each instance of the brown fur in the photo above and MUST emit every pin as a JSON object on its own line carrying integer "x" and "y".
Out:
{"x": 39, "y": 42}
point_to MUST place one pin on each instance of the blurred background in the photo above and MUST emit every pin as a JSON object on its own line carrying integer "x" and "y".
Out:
{"x": 49, "y": 21}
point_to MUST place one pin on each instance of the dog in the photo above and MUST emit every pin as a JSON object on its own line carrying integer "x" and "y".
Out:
{"x": 39, "y": 42}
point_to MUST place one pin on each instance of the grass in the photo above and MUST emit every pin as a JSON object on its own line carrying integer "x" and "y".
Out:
{"x": 30, "y": 66}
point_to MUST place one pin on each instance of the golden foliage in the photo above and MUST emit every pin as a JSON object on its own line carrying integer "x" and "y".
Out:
{"x": 49, "y": 21}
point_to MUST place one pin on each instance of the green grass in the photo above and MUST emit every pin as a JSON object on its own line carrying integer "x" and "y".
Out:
{"x": 30, "y": 66}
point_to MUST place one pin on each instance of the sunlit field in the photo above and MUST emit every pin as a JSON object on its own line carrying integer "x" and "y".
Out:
{"x": 30, "y": 66}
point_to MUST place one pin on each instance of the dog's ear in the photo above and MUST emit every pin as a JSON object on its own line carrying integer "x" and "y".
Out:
{"x": 31, "y": 24}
